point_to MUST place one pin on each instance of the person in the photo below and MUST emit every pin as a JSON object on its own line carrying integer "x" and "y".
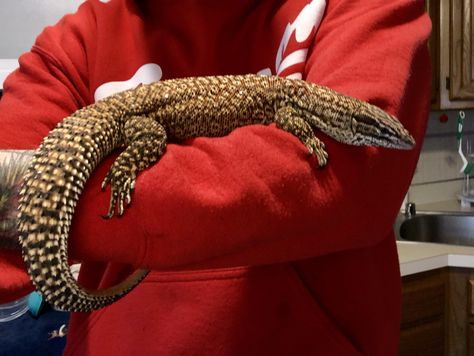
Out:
{"x": 253, "y": 251}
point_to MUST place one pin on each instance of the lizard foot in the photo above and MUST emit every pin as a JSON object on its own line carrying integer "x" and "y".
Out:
{"x": 121, "y": 178}
{"x": 287, "y": 119}
{"x": 316, "y": 147}
{"x": 145, "y": 143}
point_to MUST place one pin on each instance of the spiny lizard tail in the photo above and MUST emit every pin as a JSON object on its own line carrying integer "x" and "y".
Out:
{"x": 142, "y": 120}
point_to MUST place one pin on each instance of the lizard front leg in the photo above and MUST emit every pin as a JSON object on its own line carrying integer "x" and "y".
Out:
{"x": 145, "y": 141}
{"x": 287, "y": 119}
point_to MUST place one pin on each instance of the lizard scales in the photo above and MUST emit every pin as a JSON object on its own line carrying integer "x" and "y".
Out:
{"x": 142, "y": 120}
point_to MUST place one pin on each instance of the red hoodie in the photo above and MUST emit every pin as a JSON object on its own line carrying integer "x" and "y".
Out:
{"x": 321, "y": 274}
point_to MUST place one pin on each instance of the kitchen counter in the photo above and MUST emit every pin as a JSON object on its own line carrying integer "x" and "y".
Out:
{"x": 416, "y": 257}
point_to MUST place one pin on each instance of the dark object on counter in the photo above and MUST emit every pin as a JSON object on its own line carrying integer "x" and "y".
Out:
{"x": 410, "y": 209}
{"x": 13, "y": 164}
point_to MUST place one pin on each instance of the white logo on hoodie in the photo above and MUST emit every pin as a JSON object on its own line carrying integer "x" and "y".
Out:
{"x": 307, "y": 20}
{"x": 146, "y": 74}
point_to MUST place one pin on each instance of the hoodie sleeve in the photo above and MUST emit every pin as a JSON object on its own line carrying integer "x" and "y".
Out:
{"x": 253, "y": 197}
{"x": 50, "y": 83}
{"x": 47, "y": 86}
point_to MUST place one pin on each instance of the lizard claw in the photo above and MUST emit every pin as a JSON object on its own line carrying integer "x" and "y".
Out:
{"x": 104, "y": 183}
{"x": 317, "y": 148}
{"x": 122, "y": 182}
{"x": 111, "y": 211}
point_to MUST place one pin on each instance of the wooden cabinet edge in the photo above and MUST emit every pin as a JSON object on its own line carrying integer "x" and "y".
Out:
{"x": 450, "y": 289}
{"x": 471, "y": 296}
{"x": 460, "y": 50}
{"x": 470, "y": 332}
{"x": 441, "y": 39}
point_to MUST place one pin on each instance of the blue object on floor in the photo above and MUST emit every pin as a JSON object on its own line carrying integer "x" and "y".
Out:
{"x": 35, "y": 303}
{"x": 29, "y": 336}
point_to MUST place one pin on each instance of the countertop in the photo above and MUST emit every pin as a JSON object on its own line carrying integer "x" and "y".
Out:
{"x": 416, "y": 257}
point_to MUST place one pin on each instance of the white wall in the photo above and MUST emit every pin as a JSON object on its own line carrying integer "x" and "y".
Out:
{"x": 437, "y": 176}
{"x": 22, "y": 20}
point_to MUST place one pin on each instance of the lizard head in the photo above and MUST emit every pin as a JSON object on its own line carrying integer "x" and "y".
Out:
{"x": 371, "y": 125}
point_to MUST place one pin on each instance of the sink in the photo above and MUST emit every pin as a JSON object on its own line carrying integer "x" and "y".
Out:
{"x": 438, "y": 228}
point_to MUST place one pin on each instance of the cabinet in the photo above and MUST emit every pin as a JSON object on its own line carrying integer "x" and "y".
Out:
{"x": 438, "y": 313}
{"x": 452, "y": 53}
{"x": 423, "y": 314}
{"x": 470, "y": 330}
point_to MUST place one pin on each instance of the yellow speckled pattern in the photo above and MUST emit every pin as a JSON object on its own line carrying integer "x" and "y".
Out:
{"x": 142, "y": 120}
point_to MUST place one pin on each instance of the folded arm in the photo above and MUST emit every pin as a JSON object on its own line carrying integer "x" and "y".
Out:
{"x": 253, "y": 197}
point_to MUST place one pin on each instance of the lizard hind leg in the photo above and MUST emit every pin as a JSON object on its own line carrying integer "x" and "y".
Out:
{"x": 145, "y": 142}
{"x": 286, "y": 118}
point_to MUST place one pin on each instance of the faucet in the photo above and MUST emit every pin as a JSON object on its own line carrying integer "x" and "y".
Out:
{"x": 410, "y": 209}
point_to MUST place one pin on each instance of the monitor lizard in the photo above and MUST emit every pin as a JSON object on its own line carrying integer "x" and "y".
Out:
{"x": 143, "y": 120}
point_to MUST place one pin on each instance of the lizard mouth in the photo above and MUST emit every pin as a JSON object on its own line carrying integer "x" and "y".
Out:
{"x": 397, "y": 137}
{"x": 408, "y": 143}
{"x": 386, "y": 130}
